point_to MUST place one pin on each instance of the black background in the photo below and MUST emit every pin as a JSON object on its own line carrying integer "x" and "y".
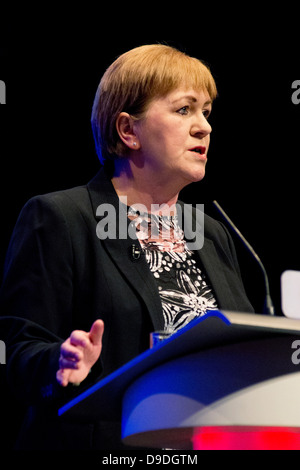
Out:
{"x": 52, "y": 63}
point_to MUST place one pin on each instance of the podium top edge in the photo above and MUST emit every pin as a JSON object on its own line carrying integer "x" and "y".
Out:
{"x": 280, "y": 324}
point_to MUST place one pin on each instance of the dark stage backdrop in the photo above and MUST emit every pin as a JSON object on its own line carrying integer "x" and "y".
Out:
{"x": 52, "y": 72}
{"x": 51, "y": 66}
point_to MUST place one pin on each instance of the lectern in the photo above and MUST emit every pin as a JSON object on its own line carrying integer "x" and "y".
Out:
{"x": 226, "y": 381}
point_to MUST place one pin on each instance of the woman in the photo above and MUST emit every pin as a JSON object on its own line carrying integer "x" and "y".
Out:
{"x": 77, "y": 305}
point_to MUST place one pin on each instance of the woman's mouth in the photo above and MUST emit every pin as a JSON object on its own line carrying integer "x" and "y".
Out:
{"x": 199, "y": 149}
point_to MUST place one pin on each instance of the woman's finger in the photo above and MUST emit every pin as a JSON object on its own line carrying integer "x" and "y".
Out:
{"x": 67, "y": 363}
{"x": 68, "y": 351}
{"x": 62, "y": 377}
{"x": 79, "y": 338}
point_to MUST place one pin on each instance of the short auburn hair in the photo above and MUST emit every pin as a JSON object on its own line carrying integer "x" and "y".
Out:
{"x": 133, "y": 80}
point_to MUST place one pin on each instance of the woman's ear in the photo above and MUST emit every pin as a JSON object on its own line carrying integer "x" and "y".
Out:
{"x": 125, "y": 129}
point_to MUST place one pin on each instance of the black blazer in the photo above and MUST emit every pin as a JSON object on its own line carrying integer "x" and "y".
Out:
{"x": 59, "y": 276}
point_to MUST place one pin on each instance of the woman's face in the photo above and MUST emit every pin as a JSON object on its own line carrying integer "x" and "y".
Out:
{"x": 174, "y": 136}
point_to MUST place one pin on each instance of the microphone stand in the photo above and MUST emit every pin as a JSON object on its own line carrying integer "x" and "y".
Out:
{"x": 268, "y": 306}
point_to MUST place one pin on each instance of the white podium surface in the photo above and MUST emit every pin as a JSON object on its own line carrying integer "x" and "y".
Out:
{"x": 231, "y": 386}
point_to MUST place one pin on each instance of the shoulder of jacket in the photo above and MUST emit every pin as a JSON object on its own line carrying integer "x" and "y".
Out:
{"x": 63, "y": 198}
{"x": 67, "y": 206}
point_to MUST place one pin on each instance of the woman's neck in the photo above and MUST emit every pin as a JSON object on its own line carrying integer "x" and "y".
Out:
{"x": 140, "y": 188}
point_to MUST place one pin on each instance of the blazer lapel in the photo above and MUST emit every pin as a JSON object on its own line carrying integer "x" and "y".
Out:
{"x": 121, "y": 247}
{"x": 210, "y": 260}
{"x": 214, "y": 270}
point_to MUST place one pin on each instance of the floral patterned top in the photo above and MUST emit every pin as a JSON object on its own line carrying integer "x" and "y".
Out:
{"x": 184, "y": 290}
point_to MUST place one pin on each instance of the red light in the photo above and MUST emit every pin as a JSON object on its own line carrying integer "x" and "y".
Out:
{"x": 239, "y": 438}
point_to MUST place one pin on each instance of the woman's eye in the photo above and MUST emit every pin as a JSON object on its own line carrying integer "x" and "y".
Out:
{"x": 184, "y": 110}
{"x": 206, "y": 113}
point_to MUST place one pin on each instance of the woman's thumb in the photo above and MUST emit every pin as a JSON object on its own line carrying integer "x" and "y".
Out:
{"x": 96, "y": 332}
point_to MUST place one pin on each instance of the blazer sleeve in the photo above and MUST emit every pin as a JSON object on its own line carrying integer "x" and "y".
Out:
{"x": 229, "y": 242}
{"x": 36, "y": 299}
{"x": 228, "y": 284}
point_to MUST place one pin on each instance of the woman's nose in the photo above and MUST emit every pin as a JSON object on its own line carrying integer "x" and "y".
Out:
{"x": 201, "y": 126}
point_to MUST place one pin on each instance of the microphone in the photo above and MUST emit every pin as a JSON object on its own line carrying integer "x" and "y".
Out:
{"x": 135, "y": 252}
{"x": 268, "y": 307}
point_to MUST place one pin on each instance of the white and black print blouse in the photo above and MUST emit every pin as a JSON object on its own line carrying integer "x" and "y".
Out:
{"x": 183, "y": 287}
